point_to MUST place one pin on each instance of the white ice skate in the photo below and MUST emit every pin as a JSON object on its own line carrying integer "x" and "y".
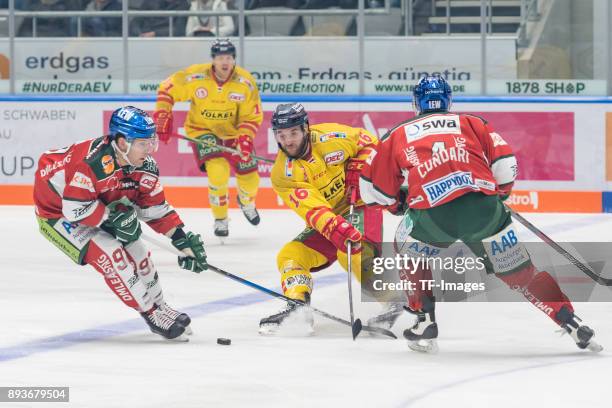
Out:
{"x": 581, "y": 334}
{"x": 293, "y": 319}
{"x": 422, "y": 337}
{"x": 250, "y": 212}
{"x": 222, "y": 229}
{"x": 387, "y": 317}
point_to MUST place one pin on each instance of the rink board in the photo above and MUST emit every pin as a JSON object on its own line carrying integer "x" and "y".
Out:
{"x": 561, "y": 144}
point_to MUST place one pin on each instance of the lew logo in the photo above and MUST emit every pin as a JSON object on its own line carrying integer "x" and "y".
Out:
{"x": 432, "y": 125}
{"x": 334, "y": 157}
{"x": 126, "y": 114}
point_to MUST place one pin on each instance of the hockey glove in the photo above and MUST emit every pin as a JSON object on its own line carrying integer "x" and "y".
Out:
{"x": 192, "y": 246}
{"x": 163, "y": 125}
{"x": 339, "y": 231}
{"x": 123, "y": 224}
{"x": 401, "y": 203}
{"x": 351, "y": 177}
{"x": 245, "y": 147}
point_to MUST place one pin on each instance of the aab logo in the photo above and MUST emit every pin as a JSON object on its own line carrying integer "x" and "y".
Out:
{"x": 507, "y": 241}
{"x": 5, "y": 64}
{"x": 423, "y": 249}
{"x": 69, "y": 226}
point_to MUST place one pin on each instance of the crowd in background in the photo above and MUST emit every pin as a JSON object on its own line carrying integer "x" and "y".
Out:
{"x": 101, "y": 26}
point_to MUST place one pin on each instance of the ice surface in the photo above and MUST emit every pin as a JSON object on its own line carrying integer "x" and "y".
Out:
{"x": 62, "y": 326}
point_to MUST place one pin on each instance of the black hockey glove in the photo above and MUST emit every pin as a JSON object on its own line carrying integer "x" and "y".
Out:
{"x": 401, "y": 203}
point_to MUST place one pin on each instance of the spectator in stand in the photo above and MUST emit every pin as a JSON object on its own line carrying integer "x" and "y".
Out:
{"x": 47, "y": 26}
{"x": 158, "y": 26}
{"x": 206, "y": 26}
{"x": 101, "y": 26}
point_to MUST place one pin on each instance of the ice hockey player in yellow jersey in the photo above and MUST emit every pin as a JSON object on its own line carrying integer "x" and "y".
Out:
{"x": 316, "y": 174}
{"x": 225, "y": 111}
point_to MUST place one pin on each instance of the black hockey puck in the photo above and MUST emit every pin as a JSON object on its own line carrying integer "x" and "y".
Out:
{"x": 224, "y": 342}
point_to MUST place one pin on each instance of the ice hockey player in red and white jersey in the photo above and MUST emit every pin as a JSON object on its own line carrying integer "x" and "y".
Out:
{"x": 459, "y": 171}
{"x": 89, "y": 199}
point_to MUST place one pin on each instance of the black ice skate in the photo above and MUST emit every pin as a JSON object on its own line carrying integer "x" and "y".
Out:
{"x": 160, "y": 323}
{"x": 582, "y": 334}
{"x": 422, "y": 337}
{"x": 250, "y": 212}
{"x": 222, "y": 228}
{"x": 299, "y": 315}
{"x": 182, "y": 318}
{"x": 387, "y": 317}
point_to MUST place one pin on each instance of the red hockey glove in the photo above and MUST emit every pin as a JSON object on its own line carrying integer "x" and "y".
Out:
{"x": 339, "y": 232}
{"x": 351, "y": 178}
{"x": 504, "y": 190}
{"x": 163, "y": 125}
{"x": 245, "y": 147}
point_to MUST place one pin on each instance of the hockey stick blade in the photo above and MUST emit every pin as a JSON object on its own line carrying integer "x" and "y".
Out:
{"x": 379, "y": 330}
{"x": 357, "y": 326}
{"x": 583, "y": 268}
{"x": 270, "y": 292}
{"x": 314, "y": 309}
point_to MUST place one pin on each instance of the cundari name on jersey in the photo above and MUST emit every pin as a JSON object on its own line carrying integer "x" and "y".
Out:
{"x": 432, "y": 125}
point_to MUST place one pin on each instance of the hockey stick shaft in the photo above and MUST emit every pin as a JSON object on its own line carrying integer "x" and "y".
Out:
{"x": 355, "y": 325}
{"x": 223, "y": 148}
{"x": 584, "y": 268}
{"x": 270, "y": 292}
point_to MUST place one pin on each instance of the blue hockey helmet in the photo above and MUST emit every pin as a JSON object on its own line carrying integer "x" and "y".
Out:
{"x": 132, "y": 123}
{"x": 431, "y": 94}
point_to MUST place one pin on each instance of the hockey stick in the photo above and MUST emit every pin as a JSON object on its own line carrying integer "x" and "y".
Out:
{"x": 356, "y": 325}
{"x": 270, "y": 292}
{"x": 222, "y": 148}
{"x": 584, "y": 268}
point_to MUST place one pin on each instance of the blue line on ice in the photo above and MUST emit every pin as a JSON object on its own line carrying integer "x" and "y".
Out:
{"x": 134, "y": 325}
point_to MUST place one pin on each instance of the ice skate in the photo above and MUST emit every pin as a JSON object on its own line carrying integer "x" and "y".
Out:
{"x": 581, "y": 334}
{"x": 387, "y": 317}
{"x": 250, "y": 212}
{"x": 182, "y": 318}
{"x": 294, "y": 317}
{"x": 222, "y": 229}
{"x": 160, "y": 323}
{"x": 422, "y": 337}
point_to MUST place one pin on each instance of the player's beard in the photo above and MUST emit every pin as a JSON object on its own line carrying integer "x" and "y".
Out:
{"x": 302, "y": 150}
